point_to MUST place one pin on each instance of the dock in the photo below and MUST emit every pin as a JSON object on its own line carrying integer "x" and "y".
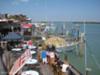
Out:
{"x": 46, "y": 70}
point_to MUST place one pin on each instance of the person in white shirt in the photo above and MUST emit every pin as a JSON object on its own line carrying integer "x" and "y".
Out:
{"x": 65, "y": 66}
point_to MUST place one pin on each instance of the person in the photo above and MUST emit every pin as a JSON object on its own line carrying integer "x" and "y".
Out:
{"x": 53, "y": 48}
{"x": 44, "y": 56}
{"x": 65, "y": 66}
{"x": 51, "y": 55}
{"x": 1, "y": 52}
{"x": 9, "y": 47}
{"x": 8, "y": 60}
{"x": 57, "y": 65}
{"x": 25, "y": 46}
{"x": 49, "y": 47}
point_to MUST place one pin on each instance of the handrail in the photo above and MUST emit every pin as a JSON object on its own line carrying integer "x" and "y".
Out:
{"x": 74, "y": 70}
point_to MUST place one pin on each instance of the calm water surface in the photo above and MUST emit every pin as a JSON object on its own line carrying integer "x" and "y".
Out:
{"x": 92, "y": 43}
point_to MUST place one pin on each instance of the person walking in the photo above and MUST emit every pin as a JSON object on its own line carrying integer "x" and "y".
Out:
{"x": 1, "y": 53}
{"x": 44, "y": 56}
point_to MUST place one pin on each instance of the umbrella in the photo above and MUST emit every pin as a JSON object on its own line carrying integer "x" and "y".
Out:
{"x": 12, "y": 36}
{"x": 56, "y": 41}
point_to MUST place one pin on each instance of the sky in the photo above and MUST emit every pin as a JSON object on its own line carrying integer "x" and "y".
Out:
{"x": 53, "y": 10}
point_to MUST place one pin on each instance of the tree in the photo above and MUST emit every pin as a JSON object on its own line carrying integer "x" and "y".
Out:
{"x": 19, "y": 17}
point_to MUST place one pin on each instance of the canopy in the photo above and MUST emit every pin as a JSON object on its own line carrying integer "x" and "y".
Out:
{"x": 30, "y": 42}
{"x": 12, "y": 36}
{"x": 26, "y": 25}
{"x": 56, "y": 41}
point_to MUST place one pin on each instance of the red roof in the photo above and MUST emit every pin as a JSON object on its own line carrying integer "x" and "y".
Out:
{"x": 27, "y": 25}
{"x": 30, "y": 42}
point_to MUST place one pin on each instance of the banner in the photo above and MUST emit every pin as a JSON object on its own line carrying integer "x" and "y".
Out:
{"x": 20, "y": 62}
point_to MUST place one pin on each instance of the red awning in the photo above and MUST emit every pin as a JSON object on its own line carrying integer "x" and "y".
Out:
{"x": 30, "y": 42}
{"x": 26, "y": 25}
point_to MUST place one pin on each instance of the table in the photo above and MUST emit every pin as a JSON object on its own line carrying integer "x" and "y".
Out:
{"x": 25, "y": 46}
{"x": 31, "y": 61}
{"x": 30, "y": 72}
{"x": 31, "y": 47}
{"x": 33, "y": 52}
{"x": 16, "y": 49}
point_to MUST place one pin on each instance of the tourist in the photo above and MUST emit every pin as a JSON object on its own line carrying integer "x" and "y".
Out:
{"x": 25, "y": 46}
{"x": 44, "y": 56}
{"x": 52, "y": 57}
{"x": 9, "y": 47}
{"x": 53, "y": 48}
{"x": 65, "y": 67}
{"x": 1, "y": 52}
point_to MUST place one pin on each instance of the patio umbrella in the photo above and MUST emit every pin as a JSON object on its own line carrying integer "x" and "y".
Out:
{"x": 12, "y": 36}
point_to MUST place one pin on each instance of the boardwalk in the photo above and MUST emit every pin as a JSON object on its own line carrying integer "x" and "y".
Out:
{"x": 46, "y": 70}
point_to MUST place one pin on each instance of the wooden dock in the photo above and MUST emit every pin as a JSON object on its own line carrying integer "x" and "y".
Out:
{"x": 45, "y": 69}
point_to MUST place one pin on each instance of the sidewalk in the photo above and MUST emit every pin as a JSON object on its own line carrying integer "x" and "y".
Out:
{"x": 2, "y": 69}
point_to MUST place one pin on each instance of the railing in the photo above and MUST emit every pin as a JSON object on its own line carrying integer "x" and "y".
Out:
{"x": 74, "y": 70}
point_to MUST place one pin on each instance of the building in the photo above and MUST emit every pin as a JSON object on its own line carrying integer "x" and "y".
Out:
{"x": 9, "y": 25}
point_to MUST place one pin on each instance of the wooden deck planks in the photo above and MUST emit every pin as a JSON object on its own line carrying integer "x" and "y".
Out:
{"x": 45, "y": 69}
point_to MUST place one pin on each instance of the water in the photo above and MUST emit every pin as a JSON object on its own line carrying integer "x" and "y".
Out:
{"x": 92, "y": 43}
{"x": 93, "y": 46}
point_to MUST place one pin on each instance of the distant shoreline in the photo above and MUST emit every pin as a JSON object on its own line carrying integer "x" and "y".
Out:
{"x": 75, "y": 22}
{"x": 87, "y": 22}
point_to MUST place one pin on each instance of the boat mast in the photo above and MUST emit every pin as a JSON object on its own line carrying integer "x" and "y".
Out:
{"x": 85, "y": 51}
{"x": 64, "y": 28}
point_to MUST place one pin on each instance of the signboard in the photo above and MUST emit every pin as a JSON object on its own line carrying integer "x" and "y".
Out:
{"x": 20, "y": 62}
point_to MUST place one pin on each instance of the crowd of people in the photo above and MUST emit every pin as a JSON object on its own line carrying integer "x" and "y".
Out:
{"x": 50, "y": 57}
{"x": 6, "y": 56}
{"x": 47, "y": 56}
